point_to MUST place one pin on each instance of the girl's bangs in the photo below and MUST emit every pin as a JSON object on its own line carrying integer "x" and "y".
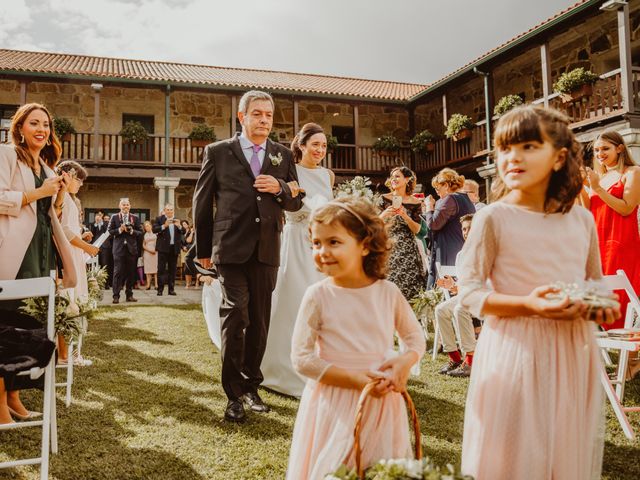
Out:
{"x": 518, "y": 126}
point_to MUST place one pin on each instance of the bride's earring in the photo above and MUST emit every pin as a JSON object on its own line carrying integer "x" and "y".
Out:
{"x": 21, "y": 138}
{"x": 49, "y": 141}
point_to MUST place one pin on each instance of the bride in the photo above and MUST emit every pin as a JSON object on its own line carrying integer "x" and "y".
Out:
{"x": 297, "y": 270}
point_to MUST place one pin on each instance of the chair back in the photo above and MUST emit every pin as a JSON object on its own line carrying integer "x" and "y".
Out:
{"x": 620, "y": 281}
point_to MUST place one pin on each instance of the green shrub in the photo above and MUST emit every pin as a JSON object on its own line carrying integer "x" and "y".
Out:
{"x": 202, "y": 132}
{"x": 420, "y": 141}
{"x": 332, "y": 143}
{"x": 574, "y": 79}
{"x": 133, "y": 132}
{"x": 458, "y": 122}
{"x": 63, "y": 126}
{"x": 507, "y": 103}
{"x": 387, "y": 143}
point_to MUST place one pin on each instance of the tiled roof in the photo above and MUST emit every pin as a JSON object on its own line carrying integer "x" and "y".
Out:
{"x": 177, "y": 73}
{"x": 567, "y": 11}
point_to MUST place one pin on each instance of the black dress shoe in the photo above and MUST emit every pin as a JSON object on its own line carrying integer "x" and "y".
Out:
{"x": 449, "y": 367}
{"x": 159, "y": 293}
{"x": 172, "y": 292}
{"x": 131, "y": 299}
{"x": 116, "y": 300}
{"x": 235, "y": 411}
{"x": 255, "y": 403}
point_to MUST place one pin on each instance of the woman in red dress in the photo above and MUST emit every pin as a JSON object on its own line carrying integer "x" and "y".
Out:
{"x": 613, "y": 199}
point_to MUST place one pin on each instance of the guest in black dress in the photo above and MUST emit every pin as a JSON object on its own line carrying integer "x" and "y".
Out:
{"x": 401, "y": 211}
{"x": 443, "y": 219}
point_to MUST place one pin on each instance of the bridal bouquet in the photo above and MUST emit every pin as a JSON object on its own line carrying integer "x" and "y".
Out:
{"x": 358, "y": 186}
{"x": 591, "y": 293}
{"x": 401, "y": 469}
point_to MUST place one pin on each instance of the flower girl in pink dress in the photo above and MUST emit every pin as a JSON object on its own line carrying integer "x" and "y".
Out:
{"x": 534, "y": 405}
{"x": 343, "y": 338}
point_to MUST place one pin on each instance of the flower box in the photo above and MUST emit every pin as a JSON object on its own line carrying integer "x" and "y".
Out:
{"x": 199, "y": 143}
{"x": 462, "y": 135}
{"x": 585, "y": 90}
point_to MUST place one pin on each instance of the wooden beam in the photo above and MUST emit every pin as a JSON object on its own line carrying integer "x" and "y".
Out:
{"x": 234, "y": 115}
{"x": 624, "y": 46}
{"x": 96, "y": 87}
{"x": 545, "y": 60}
{"x": 356, "y": 134}
{"x": 23, "y": 92}
{"x": 296, "y": 116}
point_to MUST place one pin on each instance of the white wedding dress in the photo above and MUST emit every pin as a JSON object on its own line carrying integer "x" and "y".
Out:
{"x": 297, "y": 271}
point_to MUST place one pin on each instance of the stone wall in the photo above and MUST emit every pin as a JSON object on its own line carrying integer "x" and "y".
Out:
{"x": 428, "y": 116}
{"x": 378, "y": 120}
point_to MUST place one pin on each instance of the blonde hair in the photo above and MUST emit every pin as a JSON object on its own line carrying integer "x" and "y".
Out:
{"x": 624, "y": 157}
{"x": 360, "y": 219}
{"x": 448, "y": 176}
{"x": 51, "y": 151}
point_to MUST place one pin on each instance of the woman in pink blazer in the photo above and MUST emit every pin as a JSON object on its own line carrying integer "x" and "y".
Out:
{"x": 31, "y": 237}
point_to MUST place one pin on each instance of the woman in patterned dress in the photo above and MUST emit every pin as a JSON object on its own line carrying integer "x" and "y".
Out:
{"x": 401, "y": 211}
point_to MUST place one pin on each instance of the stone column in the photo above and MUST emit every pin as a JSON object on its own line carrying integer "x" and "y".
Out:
{"x": 23, "y": 92}
{"x": 545, "y": 60}
{"x": 96, "y": 87}
{"x": 632, "y": 139}
{"x": 166, "y": 190}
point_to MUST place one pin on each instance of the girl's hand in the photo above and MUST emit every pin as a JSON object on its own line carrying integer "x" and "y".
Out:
{"x": 361, "y": 379}
{"x": 388, "y": 212}
{"x": 606, "y": 316}
{"x": 397, "y": 370}
{"x": 295, "y": 188}
{"x": 50, "y": 187}
{"x": 593, "y": 178}
{"x": 92, "y": 250}
{"x": 562, "y": 309}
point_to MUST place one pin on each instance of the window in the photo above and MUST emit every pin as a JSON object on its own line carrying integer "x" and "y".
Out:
{"x": 144, "y": 151}
{"x": 6, "y": 113}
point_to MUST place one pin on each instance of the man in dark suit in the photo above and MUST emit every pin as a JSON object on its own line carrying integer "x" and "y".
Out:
{"x": 106, "y": 253}
{"x": 97, "y": 228}
{"x": 250, "y": 180}
{"x": 168, "y": 245}
{"x": 125, "y": 229}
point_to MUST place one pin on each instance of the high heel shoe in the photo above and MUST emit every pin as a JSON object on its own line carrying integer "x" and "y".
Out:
{"x": 29, "y": 416}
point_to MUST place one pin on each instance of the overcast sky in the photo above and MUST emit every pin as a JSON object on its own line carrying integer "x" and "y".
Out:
{"x": 417, "y": 41}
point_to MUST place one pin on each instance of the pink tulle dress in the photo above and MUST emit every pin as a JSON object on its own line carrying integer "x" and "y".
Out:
{"x": 351, "y": 328}
{"x": 534, "y": 406}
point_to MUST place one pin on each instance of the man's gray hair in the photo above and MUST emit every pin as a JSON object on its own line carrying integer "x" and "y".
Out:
{"x": 168, "y": 205}
{"x": 472, "y": 183}
{"x": 124, "y": 199}
{"x": 252, "y": 95}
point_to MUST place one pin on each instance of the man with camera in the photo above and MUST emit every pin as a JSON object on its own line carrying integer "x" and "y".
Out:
{"x": 168, "y": 246}
{"x": 125, "y": 229}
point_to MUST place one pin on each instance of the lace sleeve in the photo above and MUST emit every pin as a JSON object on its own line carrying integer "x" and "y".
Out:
{"x": 304, "y": 357}
{"x": 407, "y": 326}
{"x": 478, "y": 255}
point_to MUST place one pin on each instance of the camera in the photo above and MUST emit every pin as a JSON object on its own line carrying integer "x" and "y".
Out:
{"x": 127, "y": 225}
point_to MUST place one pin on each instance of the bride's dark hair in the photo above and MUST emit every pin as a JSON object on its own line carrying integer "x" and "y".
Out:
{"x": 303, "y": 136}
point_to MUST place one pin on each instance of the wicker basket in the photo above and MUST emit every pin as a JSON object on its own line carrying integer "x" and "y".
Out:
{"x": 359, "y": 414}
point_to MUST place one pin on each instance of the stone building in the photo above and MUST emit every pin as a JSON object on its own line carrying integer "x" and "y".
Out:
{"x": 98, "y": 95}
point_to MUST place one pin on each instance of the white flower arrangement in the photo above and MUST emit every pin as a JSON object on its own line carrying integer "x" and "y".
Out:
{"x": 359, "y": 187}
{"x": 425, "y": 302}
{"x": 276, "y": 159}
{"x": 591, "y": 293}
{"x": 401, "y": 469}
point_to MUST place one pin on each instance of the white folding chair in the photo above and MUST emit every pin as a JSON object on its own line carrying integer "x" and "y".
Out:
{"x": 620, "y": 281}
{"x": 16, "y": 290}
{"x": 441, "y": 272}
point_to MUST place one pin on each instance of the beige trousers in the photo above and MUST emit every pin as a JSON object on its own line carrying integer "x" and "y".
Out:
{"x": 449, "y": 312}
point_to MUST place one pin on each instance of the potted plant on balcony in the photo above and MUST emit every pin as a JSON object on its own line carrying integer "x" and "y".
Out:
{"x": 63, "y": 128}
{"x": 332, "y": 143}
{"x": 459, "y": 127}
{"x": 423, "y": 142}
{"x": 386, "y": 145}
{"x": 575, "y": 84}
{"x": 507, "y": 103}
{"x": 202, "y": 135}
{"x": 133, "y": 133}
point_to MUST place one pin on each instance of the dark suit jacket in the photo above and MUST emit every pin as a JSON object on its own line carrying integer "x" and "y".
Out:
{"x": 119, "y": 238}
{"x": 244, "y": 217}
{"x": 97, "y": 231}
{"x": 163, "y": 241}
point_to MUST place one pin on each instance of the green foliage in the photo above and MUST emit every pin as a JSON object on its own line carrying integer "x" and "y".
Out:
{"x": 458, "y": 122}
{"x": 332, "y": 143}
{"x": 402, "y": 469}
{"x": 574, "y": 79}
{"x": 67, "y": 314}
{"x": 421, "y": 140}
{"x": 425, "y": 302}
{"x": 387, "y": 143}
{"x": 133, "y": 132}
{"x": 507, "y": 103}
{"x": 63, "y": 126}
{"x": 202, "y": 132}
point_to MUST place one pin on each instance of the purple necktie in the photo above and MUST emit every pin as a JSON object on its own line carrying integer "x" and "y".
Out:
{"x": 255, "y": 161}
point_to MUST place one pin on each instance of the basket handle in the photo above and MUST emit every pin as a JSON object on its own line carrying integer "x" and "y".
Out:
{"x": 366, "y": 391}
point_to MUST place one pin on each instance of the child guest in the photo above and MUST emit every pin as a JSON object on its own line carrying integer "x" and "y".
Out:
{"x": 343, "y": 338}
{"x": 534, "y": 400}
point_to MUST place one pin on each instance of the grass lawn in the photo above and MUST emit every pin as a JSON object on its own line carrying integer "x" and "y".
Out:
{"x": 151, "y": 408}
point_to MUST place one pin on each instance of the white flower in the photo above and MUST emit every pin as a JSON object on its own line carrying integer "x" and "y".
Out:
{"x": 276, "y": 159}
